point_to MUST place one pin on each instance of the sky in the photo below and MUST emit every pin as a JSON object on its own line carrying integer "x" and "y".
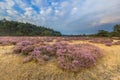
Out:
{"x": 66, "y": 16}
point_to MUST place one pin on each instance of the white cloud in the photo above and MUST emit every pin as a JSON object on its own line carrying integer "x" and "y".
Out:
{"x": 109, "y": 19}
{"x": 48, "y": 11}
{"x": 10, "y": 3}
{"x": 28, "y": 11}
{"x": 74, "y": 11}
{"x": 11, "y": 12}
{"x": 45, "y": 12}
{"x": 54, "y": 3}
{"x": 21, "y": 4}
{"x": 2, "y": 5}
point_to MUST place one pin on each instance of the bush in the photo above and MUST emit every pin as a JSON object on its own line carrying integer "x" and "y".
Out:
{"x": 23, "y": 47}
{"x": 24, "y": 43}
{"x": 25, "y": 50}
{"x": 17, "y": 49}
{"x": 72, "y": 57}
{"x": 69, "y": 57}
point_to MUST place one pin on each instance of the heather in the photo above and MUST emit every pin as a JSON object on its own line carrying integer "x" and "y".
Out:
{"x": 69, "y": 56}
{"x": 42, "y": 40}
{"x": 72, "y": 57}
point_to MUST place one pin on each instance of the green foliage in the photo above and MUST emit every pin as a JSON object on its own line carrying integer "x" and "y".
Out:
{"x": 103, "y": 33}
{"x": 14, "y": 28}
{"x": 116, "y": 30}
{"x": 114, "y": 33}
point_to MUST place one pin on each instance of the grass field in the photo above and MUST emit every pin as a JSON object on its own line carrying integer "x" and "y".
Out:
{"x": 13, "y": 68}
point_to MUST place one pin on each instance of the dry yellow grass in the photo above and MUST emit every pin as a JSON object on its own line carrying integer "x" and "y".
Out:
{"x": 12, "y": 68}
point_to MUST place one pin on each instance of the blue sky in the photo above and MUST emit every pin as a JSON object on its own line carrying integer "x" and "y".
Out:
{"x": 66, "y": 16}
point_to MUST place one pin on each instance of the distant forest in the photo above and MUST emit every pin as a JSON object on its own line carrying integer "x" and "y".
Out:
{"x": 104, "y": 33}
{"x": 14, "y": 28}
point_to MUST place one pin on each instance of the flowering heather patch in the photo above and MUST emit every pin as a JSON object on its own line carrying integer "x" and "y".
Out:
{"x": 15, "y": 40}
{"x": 101, "y": 40}
{"x": 17, "y": 49}
{"x": 37, "y": 40}
{"x": 72, "y": 57}
{"x": 108, "y": 44}
{"x": 8, "y": 40}
{"x": 23, "y": 47}
{"x": 49, "y": 40}
{"x": 27, "y": 49}
{"x": 36, "y": 54}
{"x": 43, "y": 52}
{"x": 69, "y": 56}
{"x": 24, "y": 43}
{"x": 105, "y": 41}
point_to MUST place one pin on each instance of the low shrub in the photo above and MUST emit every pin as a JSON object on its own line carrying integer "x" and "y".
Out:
{"x": 108, "y": 44}
{"x": 17, "y": 49}
{"x": 24, "y": 43}
{"x": 72, "y": 57}
{"x": 25, "y": 50}
{"x": 69, "y": 57}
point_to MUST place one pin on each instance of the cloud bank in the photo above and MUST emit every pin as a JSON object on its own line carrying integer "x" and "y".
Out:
{"x": 66, "y": 16}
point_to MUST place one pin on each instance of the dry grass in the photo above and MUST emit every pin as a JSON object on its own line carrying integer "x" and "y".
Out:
{"x": 12, "y": 68}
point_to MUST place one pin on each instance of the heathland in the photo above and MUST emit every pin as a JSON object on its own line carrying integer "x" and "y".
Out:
{"x": 24, "y": 63}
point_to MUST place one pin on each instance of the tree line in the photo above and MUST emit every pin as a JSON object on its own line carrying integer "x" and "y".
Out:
{"x": 15, "y": 28}
{"x": 114, "y": 33}
{"x": 101, "y": 33}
